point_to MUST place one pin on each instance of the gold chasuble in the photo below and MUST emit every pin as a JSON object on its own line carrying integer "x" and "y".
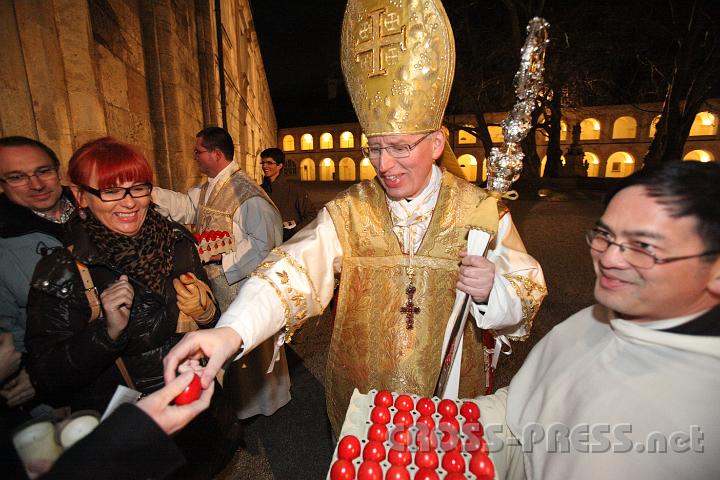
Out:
{"x": 371, "y": 346}
{"x": 217, "y": 214}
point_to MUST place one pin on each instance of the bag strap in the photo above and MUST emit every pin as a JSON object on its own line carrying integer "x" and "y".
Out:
{"x": 93, "y": 299}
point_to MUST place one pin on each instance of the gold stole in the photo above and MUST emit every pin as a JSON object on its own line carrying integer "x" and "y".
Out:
{"x": 371, "y": 346}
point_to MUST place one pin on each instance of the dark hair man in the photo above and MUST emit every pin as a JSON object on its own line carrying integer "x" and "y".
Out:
{"x": 628, "y": 388}
{"x": 290, "y": 198}
{"x": 33, "y": 208}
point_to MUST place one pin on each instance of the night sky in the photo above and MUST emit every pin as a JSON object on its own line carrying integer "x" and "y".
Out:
{"x": 602, "y": 50}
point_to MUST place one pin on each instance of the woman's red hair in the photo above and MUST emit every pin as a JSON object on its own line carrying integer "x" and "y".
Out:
{"x": 113, "y": 162}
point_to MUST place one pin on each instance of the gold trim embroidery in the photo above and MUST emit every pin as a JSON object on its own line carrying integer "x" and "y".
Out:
{"x": 531, "y": 295}
{"x": 286, "y": 307}
{"x": 294, "y": 263}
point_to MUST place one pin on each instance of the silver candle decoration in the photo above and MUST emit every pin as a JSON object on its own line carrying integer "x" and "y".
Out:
{"x": 505, "y": 164}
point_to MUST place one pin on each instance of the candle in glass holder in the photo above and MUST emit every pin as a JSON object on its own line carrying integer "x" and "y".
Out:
{"x": 36, "y": 445}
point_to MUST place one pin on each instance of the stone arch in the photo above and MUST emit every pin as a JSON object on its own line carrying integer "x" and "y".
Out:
{"x": 625, "y": 127}
{"x": 327, "y": 170}
{"x": 593, "y": 163}
{"x": 347, "y": 140}
{"x": 367, "y": 172}
{"x": 590, "y": 129}
{"x": 306, "y": 142}
{"x": 705, "y": 123}
{"x": 326, "y": 141}
{"x": 469, "y": 165}
{"x": 653, "y": 126}
{"x": 563, "y": 130}
{"x": 543, "y": 162}
{"x": 307, "y": 170}
{"x": 288, "y": 143}
{"x": 699, "y": 156}
{"x": 347, "y": 169}
{"x": 620, "y": 164}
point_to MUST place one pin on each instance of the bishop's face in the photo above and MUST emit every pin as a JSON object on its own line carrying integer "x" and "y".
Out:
{"x": 405, "y": 176}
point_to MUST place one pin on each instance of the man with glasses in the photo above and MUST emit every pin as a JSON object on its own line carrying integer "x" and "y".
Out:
{"x": 231, "y": 201}
{"x": 33, "y": 208}
{"x": 628, "y": 388}
{"x": 290, "y": 198}
{"x": 398, "y": 244}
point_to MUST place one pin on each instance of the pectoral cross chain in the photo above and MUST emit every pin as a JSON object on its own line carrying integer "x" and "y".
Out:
{"x": 410, "y": 309}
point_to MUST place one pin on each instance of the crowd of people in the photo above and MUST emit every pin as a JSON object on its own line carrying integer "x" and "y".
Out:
{"x": 102, "y": 285}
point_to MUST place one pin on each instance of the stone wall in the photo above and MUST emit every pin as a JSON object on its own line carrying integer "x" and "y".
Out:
{"x": 146, "y": 72}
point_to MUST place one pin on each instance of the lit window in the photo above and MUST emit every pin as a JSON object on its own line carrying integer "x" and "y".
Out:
{"x": 699, "y": 156}
{"x": 496, "y": 134}
{"x": 347, "y": 169}
{"x": 307, "y": 170}
{"x": 347, "y": 140}
{"x": 363, "y": 140}
{"x": 705, "y": 123}
{"x": 306, "y": 142}
{"x": 563, "y": 130}
{"x": 589, "y": 129}
{"x": 290, "y": 168}
{"x": 465, "y": 137}
{"x": 624, "y": 127}
{"x": 326, "y": 141}
{"x": 288, "y": 143}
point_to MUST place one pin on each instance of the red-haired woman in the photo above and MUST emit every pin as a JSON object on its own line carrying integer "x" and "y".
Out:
{"x": 135, "y": 258}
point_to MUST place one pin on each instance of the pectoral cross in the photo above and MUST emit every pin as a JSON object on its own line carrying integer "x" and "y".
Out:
{"x": 409, "y": 309}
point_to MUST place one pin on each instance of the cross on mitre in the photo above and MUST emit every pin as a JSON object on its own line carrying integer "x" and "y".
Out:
{"x": 380, "y": 37}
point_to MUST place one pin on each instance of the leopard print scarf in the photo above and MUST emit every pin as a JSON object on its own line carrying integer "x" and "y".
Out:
{"x": 148, "y": 256}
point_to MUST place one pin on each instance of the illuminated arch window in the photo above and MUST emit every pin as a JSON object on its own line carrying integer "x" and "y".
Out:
{"x": 468, "y": 165}
{"x": 593, "y": 164}
{"x": 367, "y": 172}
{"x": 290, "y": 168}
{"x": 326, "y": 141}
{"x": 363, "y": 140}
{"x": 288, "y": 143}
{"x": 563, "y": 131}
{"x": 620, "y": 164}
{"x": 699, "y": 156}
{"x": 624, "y": 127}
{"x": 347, "y": 169}
{"x": 589, "y": 129}
{"x": 347, "y": 140}
{"x": 543, "y": 162}
{"x": 327, "y": 170}
{"x": 465, "y": 137}
{"x": 496, "y": 134}
{"x": 306, "y": 142}
{"x": 307, "y": 170}
{"x": 653, "y": 126}
{"x": 705, "y": 123}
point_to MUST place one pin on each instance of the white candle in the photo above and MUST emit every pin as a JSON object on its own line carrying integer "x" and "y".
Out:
{"x": 37, "y": 448}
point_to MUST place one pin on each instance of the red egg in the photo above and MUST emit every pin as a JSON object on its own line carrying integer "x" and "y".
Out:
{"x": 342, "y": 470}
{"x": 425, "y": 423}
{"x": 401, "y": 438}
{"x": 191, "y": 393}
{"x": 470, "y": 411}
{"x": 404, "y": 419}
{"x": 377, "y": 432}
{"x": 453, "y": 462}
{"x": 370, "y": 470}
{"x": 399, "y": 457}
{"x": 426, "y": 474}
{"x": 404, "y": 403}
{"x": 348, "y": 448}
{"x": 426, "y": 440}
{"x": 482, "y": 466}
{"x": 374, "y": 451}
{"x": 474, "y": 440}
{"x": 455, "y": 476}
{"x": 397, "y": 472}
{"x": 447, "y": 408}
{"x": 425, "y": 406}
{"x": 383, "y": 398}
{"x": 427, "y": 459}
{"x": 380, "y": 415}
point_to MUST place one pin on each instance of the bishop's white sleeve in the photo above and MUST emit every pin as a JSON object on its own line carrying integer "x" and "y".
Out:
{"x": 180, "y": 207}
{"x": 294, "y": 282}
{"x": 519, "y": 286}
{"x": 257, "y": 226}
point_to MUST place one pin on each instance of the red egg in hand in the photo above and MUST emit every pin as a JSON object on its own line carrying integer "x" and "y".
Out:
{"x": 191, "y": 393}
{"x": 348, "y": 448}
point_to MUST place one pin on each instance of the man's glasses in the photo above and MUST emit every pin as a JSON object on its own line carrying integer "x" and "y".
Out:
{"x": 20, "y": 179}
{"x": 265, "y": 162}
{"x": 395, "y": 151}
{"x": 114, "y": 194}
{"x": 600, "y": 240}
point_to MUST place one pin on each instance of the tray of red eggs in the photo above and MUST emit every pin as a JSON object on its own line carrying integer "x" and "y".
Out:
{"x": 397, "y": 436}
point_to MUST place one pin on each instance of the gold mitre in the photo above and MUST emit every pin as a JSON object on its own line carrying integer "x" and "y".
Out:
{"x": 398, "y": 58}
